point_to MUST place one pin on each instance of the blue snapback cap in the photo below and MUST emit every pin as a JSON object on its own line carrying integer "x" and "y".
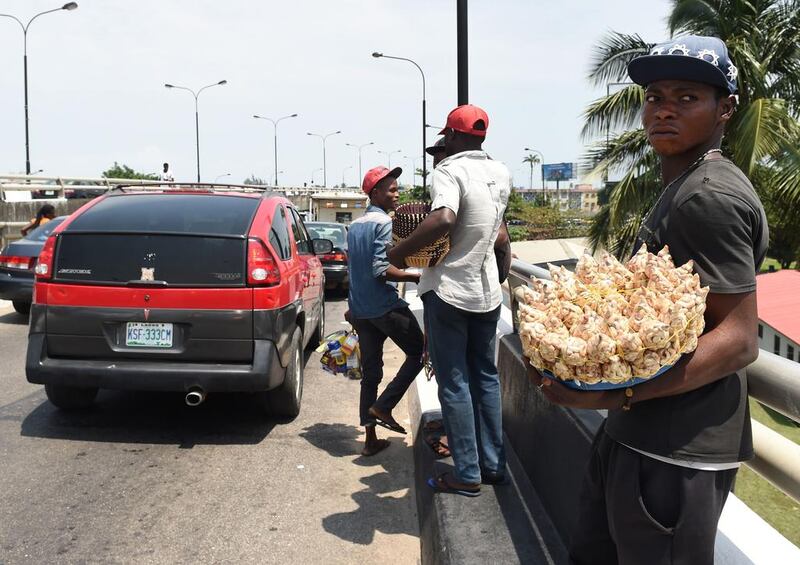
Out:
{"x": 693, "y": 57}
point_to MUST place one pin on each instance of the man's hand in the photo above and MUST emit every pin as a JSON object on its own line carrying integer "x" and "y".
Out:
{"x": 562, "y": 395}
{"x": 414, "y": 278}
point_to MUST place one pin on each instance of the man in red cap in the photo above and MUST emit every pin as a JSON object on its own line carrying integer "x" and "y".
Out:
{"x": 376, "y": 310}
{"x": 462, "y": 298}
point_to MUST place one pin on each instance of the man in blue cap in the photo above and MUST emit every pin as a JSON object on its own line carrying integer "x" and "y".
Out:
{"x": 664, "y": 461}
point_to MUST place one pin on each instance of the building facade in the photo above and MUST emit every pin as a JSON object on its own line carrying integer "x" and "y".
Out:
{"x": 778, "y": 296}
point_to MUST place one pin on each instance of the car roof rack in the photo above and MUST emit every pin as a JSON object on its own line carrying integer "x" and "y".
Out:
{"x": 166, "y": 186}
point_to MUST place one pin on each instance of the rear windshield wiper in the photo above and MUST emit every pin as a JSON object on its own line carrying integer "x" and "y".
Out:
{"x": 137, "y": 282}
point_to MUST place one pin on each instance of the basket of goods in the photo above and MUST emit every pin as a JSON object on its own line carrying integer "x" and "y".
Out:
{"x": 609, "y": 325}
{"x": 406, "y": 219}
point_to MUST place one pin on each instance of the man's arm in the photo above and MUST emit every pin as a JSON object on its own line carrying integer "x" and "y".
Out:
{"x": 729, "y": 345}
{"x": 398, "y": 275}
{"x": 502, "y": 250}
{"x": 438, "y": 223}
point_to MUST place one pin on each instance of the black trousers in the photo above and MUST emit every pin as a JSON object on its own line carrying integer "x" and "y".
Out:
{"x": 636, "y": 510}
{"x": 402, "y": 328}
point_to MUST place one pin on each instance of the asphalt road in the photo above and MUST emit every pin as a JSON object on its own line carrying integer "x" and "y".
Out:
{"x": 142, "y": 478}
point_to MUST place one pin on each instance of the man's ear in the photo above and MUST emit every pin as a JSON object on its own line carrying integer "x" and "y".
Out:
{"x": 727, "y": 106}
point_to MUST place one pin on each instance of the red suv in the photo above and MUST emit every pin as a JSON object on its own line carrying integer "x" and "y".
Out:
{"x": 195, "y": 289}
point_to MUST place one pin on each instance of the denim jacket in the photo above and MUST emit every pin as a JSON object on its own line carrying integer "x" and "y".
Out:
{"x": 370, "y": 296}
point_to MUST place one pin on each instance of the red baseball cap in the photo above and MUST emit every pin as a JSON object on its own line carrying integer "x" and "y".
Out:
{"x": 465, "y": 118}
{"x": 376, "y": 174}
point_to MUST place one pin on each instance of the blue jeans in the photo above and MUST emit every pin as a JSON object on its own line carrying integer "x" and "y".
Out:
{"x": 461, "y": 346}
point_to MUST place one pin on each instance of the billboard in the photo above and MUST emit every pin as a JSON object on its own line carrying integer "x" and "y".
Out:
{"x": 559, "y": 171}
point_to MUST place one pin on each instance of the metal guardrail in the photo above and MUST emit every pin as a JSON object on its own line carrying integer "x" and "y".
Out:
{"x": 771, "y": 380}
{"x": 60, "y": 185}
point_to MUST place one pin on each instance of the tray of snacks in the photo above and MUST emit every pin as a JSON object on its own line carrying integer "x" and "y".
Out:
{"x": 405, "y": 220}
{"x": 609, "y": 325}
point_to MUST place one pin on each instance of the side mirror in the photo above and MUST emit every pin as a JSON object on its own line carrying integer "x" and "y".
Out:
{"x": 322, "y": 246}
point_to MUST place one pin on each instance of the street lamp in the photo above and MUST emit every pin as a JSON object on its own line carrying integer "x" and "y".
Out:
{"x": 413, "y": 169}
{"x": 389, "y": 156}
{"x": 69, "y": 6}
{"x": 359, "y": 148}
{"x": 378, "y": 55}
{"x": 220, "y": 176}
{"x": 314, "y": 172}
{"x": 275, "y": 183}
{"x": 541, "y": 156}
{"x": 275, "y": 136}
{"x": 196, "y": 115}
{"x": 324, "y": 158}
{"x": 344, "y": 184}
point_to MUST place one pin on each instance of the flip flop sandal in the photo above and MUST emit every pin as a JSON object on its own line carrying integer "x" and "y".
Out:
{"x": 393, "y": 426}
{"x": 439, "y": 484}
{"x": 440, "y": 450}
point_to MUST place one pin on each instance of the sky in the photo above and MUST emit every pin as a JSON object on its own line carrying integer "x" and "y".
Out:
{"x": 96, "y": 80}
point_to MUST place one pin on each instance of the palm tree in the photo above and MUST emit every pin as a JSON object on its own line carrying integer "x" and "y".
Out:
{"x": 533, "y": 160}
{"x": 763, "y": 137}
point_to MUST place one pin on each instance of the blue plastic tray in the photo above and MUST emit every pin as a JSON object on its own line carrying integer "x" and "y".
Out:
{"x": 603, "y": 386}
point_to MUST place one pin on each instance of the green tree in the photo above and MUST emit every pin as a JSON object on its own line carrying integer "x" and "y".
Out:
{"x": 762, "y": 138}
{"x": 532, "y": 160}
{"x": 118, "y": 171}
{"x": 253, "y": 179}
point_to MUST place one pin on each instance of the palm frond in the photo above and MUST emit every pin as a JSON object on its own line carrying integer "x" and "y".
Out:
{"x": 760, "y": 130}
{"x": 621, "y": 152}
{"x": 610, "y": 59}
{"x": 619, "y": 110}
{"x": 694, "y": 16}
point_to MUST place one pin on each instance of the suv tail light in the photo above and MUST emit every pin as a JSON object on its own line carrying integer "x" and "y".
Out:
{"x": 44, "y": 265}
{"x": 20, "y": 263}
{"x": 262, "y": 270}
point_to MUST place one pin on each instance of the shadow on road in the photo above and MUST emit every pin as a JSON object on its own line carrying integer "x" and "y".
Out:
{"x": 14, "y": 319}
{"x": 377, "y": 510}
{"x": 150, "y": 417}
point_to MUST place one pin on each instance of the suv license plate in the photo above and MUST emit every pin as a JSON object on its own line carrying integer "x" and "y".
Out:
{"x": 141, "y": 334}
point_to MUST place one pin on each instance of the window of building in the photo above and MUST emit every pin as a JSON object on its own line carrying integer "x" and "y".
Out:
{"x": 760, "y": 331}
{"x": 790, "y": 352}
{"x": 777, "y": 346}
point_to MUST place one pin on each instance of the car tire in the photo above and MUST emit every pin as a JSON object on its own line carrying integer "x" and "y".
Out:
{"x": 319, "y": 332}
{"x": 70, "y": 397}
{"x": 23, "y": 308}
{"x": 285, "y": 400}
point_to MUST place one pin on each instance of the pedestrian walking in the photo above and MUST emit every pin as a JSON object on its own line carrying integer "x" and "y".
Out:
{"x": 665, "y": 459}
{"x": 376, "y": 310}
{"x": 45, "y": 213}
{"x": 462, "y": 299}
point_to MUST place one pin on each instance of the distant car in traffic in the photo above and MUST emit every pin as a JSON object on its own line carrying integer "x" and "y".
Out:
{"x": 196, "y": 289}
{"x": 17, "y": 260}
{"x": 334, "y": 264}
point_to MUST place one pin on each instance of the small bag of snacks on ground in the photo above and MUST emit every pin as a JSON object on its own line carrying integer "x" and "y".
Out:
{"x": 609, "y": 325}
{"x": 405, "y": 220}
{"x": 341, "y": 354}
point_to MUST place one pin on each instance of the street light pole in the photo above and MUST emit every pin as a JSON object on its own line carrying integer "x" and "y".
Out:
{"x": 324, "y": 157}
{"x": 275, "y": 138}
{"x": 424, "y": 121}
{"x": 541, "y": 156}
{"x": 69, "y": 6}
{"x": 413, "y": 169}
{"x": 196, "y": 115}
{"x": 389, "y": 155}
{"x": 344, "y": 184}
{"x": 359, "y": 148}
{"x": 220, "y": 176}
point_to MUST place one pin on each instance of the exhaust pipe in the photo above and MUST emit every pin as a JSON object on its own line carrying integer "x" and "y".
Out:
{"x": 195, "y": 396}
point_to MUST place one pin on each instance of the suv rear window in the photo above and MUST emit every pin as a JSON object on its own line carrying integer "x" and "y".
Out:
{"x": 178, "y": 239}
{"x": 169, "y": 213}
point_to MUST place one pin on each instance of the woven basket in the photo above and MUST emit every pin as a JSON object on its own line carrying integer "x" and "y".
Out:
{"x": 406, "y": 219}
